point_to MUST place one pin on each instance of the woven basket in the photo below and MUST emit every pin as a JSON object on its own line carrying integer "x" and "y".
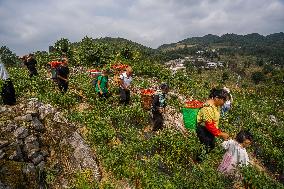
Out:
{"x": 146, "y": 101}
{"x": 147, "y": 96}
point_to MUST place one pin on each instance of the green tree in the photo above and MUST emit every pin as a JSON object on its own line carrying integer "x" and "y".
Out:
{"x": 62, "y": 45}
{"x": 8, "y": 57}
{"x": 91, "y": 53}
{"x": 62, "y": 48}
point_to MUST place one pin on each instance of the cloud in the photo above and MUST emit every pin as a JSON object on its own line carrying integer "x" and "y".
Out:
{"x": 26, "y": 26}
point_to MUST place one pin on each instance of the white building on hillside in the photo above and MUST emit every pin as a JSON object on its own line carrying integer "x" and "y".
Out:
{"x": 211, "y": 65}
{"x": 175, "y": 65}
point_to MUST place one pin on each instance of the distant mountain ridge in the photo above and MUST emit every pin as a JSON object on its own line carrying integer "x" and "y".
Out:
{"x": 230, "y": 39}
{"x": 270, "y": 47}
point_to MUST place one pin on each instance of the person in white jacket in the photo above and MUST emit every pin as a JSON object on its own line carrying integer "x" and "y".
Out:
{"x": 228, "y": 103}
{"x": 236, "y": 154}
{"x": 124, "y": 88}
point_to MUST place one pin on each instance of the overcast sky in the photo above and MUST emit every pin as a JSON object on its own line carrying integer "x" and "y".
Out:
{"x": 30, "y": 25}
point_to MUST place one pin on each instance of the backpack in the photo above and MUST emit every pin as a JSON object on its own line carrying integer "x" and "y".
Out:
{"x": 190, "y": 113}
{"x": 95, "y": 80}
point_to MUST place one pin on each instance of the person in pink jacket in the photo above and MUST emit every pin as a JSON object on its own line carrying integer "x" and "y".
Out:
{"x": 236, "y": 154}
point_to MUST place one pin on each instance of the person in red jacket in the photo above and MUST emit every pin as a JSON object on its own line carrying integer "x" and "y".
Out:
{"x": 208, "y": 119}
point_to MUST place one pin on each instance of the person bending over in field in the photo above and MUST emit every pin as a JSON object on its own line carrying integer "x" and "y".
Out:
{"x": 236, "y": 155}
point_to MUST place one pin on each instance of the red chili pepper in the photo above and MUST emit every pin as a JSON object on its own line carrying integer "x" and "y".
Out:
{"x": 193, "y": 104}
{"x": 147, "y": 91}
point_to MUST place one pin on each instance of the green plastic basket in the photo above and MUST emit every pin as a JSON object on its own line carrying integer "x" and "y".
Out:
{"x": 190, "y": 117}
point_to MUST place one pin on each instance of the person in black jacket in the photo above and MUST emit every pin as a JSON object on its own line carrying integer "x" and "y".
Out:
{"x": 31, "y": 63}
{"x": 158, "y": 106}
{"x": 7, "y": 89}
{"x": 62, "y": 76}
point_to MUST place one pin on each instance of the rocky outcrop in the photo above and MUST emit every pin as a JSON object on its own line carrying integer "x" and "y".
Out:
{"x": 83, "y": 158}
{"x": 35, "y": 141}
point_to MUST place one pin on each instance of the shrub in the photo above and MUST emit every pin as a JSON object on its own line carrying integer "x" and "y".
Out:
{"x": 258, "y": 77}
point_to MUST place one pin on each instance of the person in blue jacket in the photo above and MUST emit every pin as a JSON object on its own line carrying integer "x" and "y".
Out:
{"x": 158, "y": 107}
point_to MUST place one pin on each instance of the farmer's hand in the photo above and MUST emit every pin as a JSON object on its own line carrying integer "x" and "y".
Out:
{"x": 223, "y": 135}
{"x": 101, "y": 92}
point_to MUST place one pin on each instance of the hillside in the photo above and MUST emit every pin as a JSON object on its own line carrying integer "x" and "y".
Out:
{"x": 118, "y": 42}
{"x": 269, "y": 47}
{"x": 119, "y": 139}
{"x": 233, "y": 40}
